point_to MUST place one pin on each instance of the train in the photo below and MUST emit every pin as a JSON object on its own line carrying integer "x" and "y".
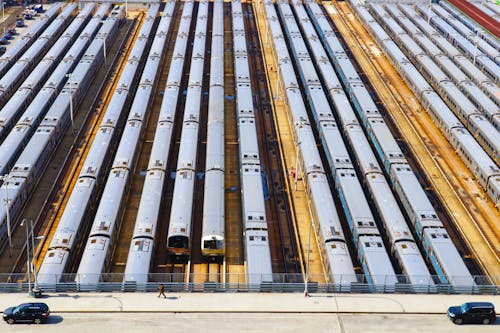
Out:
{"x": 474, "y": 27}
{"x": 402, "y": 243}
{"x": 476, "y": 95}
{"x": 488, "y": 66}
{"x": 212, "y": 235}
{"x": 412, "y": 197}
{"x": 51, "y": 128}
{"x": 464, "y": 63}
{"x": 335, "y": 254}
{"x": 366, "y": 236}
{"x": 24, "y": 65}
{"x": 107, "y": 221}
{"x": 14, "y": 52}
{"x": 258, "y": 261}
{"x": 472, "y": 154}
{"x": 13, "y": 141}
{"x": 143, "y": 240}
{"x": 481, "y": 126}
{"x": 482, "y": 45}
{"x": 12, "y": 146}
{"x": 180, "y": 221}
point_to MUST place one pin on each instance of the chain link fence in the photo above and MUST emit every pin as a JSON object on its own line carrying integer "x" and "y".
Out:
{"x": 178, "y": 282}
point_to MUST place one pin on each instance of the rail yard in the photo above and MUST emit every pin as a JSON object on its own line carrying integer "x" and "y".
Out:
{"x": 256, "y": 145}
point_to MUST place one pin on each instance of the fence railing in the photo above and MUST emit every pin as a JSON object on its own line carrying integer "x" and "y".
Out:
{"x": 112, "y": 282}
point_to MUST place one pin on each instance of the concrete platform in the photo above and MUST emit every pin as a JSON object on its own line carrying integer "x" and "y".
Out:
{"x": 246, "y": 302}
{"x": 246, "y": 312}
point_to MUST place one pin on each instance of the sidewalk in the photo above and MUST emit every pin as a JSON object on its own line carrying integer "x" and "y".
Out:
{"x": 245, "y": 302}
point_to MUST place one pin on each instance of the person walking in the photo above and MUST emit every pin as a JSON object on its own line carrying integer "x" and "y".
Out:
{"x": 161, "y": 289}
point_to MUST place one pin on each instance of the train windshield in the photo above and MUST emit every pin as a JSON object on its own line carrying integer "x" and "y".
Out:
{"x": 212, "y": 244}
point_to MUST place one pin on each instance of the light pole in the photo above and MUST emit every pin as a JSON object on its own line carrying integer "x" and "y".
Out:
{"x": 105, "y": 60}
{"x": 430, "y": 11}
{"x": 5, "y": 179}
{"x": 296, "y": 176}
{"x": 475, "y": 50}
{"x": 71, "y": 102}
{"x": 3, "y": 16}
{"x": 28, "y": 265}
{"x": 34, "y": 258}
{"x": 306, "y": 293}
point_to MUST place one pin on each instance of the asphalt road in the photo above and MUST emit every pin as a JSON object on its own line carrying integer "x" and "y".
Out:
{"x": 246, "y": 322}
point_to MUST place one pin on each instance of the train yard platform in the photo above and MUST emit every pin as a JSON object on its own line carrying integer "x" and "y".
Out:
{"x": 246, "y": 302}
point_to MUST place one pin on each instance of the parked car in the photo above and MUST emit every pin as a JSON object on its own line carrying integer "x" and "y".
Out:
{"x": 20, "y": 23}
{"x": 473, "y": 312}
{"x": 8, "y": 36}
{"x": 3, "y": 41}
{"x": 12, "y": 31}
{"x": 38, "y": 8}
{"x": 28, "y": 16}
{"x": 2, "y": 50}
{"x": 27, "y": 312}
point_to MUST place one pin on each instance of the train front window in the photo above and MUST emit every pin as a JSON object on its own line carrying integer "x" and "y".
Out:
{"x": 210, "y": 244}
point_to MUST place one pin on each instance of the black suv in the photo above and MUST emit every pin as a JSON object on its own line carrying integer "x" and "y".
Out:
{"x": 473, "y": 312}
{"x": 27, "y": 312}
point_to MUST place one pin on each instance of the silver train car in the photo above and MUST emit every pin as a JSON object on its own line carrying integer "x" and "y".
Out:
{"x": 420, "y": 211}
{"x": 91, "y": 172}
{"x": 107, "y": 221}
{"x": 468, "y": 111}
{"x": 179, "y": 229}
{"x": 481, "y": 44}
{"x": 212, "y": 237}
{"x": 14, "y": 52}
{"x": 338, "y": 263}
{"x": 472, "y": 25}
{"x": 142, "y": 244}
{"x": 377, "y": 265}
{"x": 385, "y": 145}
{"x": 12, "y": 146}
{"x": 258, "y": 261}
{"x": 477, "y": 97}
{"x": 24, "y": 65}
{"x": 51, "y": 128}
{"x": 466, "y": 65}
{"x": 472, "y": 154}
{"x": 481, "y": 60}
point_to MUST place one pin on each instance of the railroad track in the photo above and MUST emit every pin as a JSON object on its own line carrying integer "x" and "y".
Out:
{"x": 234, "y": 256}
{"x": 295, "y": 191}
{"x": 48, "y": 215}
{"x": 161, "y": 261}
{"x": 140, "y": 165}
{"x": 427, "y": 146}
{"x": 278, "y": 210}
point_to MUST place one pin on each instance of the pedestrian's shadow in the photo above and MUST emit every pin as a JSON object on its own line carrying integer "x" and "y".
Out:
{"x": 173, "y": 298}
